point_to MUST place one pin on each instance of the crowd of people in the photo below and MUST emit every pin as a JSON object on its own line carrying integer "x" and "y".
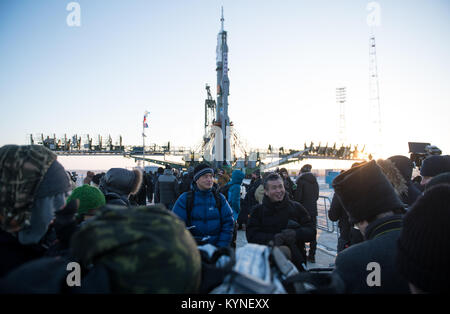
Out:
{"x": 137, "y": 232}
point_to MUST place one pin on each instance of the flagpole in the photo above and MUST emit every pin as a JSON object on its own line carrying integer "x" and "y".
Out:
{"x": 143, "y": 144}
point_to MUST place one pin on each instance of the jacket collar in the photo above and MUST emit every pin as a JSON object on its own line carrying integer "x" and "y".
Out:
{"x": 202, "y": 192}
{"x": 383, "y": 225}
{"x": 275, "y": 205}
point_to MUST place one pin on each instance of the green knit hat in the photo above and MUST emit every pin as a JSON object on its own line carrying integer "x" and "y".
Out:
{"x": 90, "y": 198}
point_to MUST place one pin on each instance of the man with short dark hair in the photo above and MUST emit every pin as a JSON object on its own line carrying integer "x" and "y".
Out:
{"x": 280, "y": 219}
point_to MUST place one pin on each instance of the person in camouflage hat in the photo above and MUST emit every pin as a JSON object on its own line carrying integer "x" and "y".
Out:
{"x": 33, "y": 184}
{"x": 144, "y": 249}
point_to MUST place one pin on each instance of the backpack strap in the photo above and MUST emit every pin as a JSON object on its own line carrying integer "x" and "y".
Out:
{"x": 189, "y": 206}
{"x": 218, "y": 202}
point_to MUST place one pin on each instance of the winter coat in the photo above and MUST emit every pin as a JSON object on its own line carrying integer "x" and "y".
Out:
{"x": 167, "y": 188}
{"x": 205, "y": 216}
{"x": 289, "y": 187}
{"x": 347, "y": 233}
{"x": 380, "y": 247}
{"x": 337, "y": 213}
{"x": 234, "y": 192}
{"x": 250, "y": 199}
{"x": 270, "y": 218}
{"x": 14, "y": 254}
{"x": 186, "y": 182}
{"x": 117, "y": 199}
{"x": 413, "y": 194}
{"x": 307, "y": 192}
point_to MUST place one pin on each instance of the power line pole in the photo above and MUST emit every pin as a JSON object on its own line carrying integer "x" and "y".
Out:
{"x": 374, "y": 97}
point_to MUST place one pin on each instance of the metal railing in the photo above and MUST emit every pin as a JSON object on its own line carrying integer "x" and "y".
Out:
{"x": 323, "y": 222}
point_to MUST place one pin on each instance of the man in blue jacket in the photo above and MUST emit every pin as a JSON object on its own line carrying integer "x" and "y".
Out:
{"x": 205, "y": 211}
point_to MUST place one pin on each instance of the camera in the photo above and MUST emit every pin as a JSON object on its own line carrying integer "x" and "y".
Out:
{"x": 420, "y": 151}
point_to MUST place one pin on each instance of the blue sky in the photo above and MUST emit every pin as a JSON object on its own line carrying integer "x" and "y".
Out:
{"x": 286, "y": 59}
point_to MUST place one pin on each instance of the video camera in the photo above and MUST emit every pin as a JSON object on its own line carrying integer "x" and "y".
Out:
{"x": 73, "y": 176}
{"x": 420, "y": 151}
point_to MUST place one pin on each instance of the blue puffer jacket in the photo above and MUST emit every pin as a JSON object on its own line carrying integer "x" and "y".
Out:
{"x": 234, "y": 193}
{"x": 205, "y": 217}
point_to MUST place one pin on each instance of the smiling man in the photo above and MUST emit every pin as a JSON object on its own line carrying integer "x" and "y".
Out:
{"x": 205, "y": 211}
{"x": 279, "y": 219}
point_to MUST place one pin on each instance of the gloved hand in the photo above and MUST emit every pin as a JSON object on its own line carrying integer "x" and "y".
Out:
{"x": 278, "y": 239}
{"x": 289, "y": 236}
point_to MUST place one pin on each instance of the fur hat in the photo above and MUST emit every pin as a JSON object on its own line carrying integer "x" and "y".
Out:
{"x": 394, "y": 176}
{"x": 423, "y": 253}
{"x": 364, "y": 192}
{"x": 404, "y": 165}
{"x": 122, "y": 181}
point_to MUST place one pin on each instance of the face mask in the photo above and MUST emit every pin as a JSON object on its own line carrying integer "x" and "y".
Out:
{"x": 42, "y": 214}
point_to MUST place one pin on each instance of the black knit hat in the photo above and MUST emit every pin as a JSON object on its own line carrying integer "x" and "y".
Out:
{"x": 434, "y": 165}
{"x": 423, "y": 254}
{"x": 202, "y": 169}
{"x": 364, "y": 192}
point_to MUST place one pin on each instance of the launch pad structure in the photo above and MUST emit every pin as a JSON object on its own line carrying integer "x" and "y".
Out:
{"x": 221, "y": 144}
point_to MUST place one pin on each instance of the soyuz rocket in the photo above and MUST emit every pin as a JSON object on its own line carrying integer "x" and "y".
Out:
{"x": 222, "y": 149}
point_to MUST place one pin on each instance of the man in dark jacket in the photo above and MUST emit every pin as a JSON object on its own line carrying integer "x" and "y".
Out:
{"x": 270, "y": 221}
{"x": 307, "y": 194}
{"x": 145, "y": 192}
{"x": 167, "y": 188}
{"x": 186, "y": 180}
{"x": 373, "y": 206}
